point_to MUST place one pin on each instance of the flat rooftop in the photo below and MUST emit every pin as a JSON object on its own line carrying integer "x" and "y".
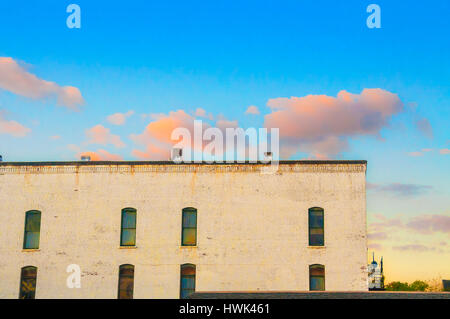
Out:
{"x": 134, "y": 163}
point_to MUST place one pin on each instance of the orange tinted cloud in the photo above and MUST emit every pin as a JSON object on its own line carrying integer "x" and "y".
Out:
{"x": 252, "y": 109}
{"x": 199, "y": 112}
{"x": 222, "y": 123}
{"x": 161, "y": 129}
{"x": 13, "y": 128}
{"x": 157, "y": 135}
{"x": 119, "y": 118}
{"x": 18, "y": 80}
{"x": 321, "y": 124}
{"x": 152, "y": 153}
{"x": 102, "y": 135}
{"x": 100, "y": 155}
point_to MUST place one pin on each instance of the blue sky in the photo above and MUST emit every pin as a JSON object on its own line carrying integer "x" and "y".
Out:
{"x": 223, "y": 56}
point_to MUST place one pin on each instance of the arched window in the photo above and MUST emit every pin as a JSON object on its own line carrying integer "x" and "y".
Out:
{"x": 189, "y": 225}
{"x": 32, "y": 229}
{"x": 28, "y": 277}
{"x": 187, "y": 280}
{"x": 315, "y": 221}
{"x": 126, "y": 281}
{"x": 128, "y": 228}
{"x": 317, "y": 277}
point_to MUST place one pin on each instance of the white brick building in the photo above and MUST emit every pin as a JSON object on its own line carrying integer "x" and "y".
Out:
{"x": 243, "y": 230}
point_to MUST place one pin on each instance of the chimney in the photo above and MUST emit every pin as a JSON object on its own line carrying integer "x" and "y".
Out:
{"x": 85, "y": 158}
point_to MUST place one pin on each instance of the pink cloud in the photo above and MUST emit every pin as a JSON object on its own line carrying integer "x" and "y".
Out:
{"x": 375, "y": 246}
{"x": 222, "y": 123}
{"x": 415, "y": 154}
{"x": 377, "y": 235}
{"x": 322, "y": 124}
{"x": 425, "y": 224}
{"x": 428, "y": 224}
{"x": 199, "y": 112}
{"x": 413, "y": 247}
{"x": 16, "y": 79}
{"x": 55, "y": 137}
{"x": 252, "y": 109}
{"x": 119, "y": 118}
{"x": 12, "y": 128}
{"x": 444, "y": 151}
{"x": 102, "y": 135}
{"x": 400, "y": 189}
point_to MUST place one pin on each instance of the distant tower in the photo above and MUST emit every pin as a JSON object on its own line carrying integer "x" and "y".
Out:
{"x": 375, "y": 274}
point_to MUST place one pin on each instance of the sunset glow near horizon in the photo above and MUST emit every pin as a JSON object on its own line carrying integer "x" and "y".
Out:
{"x": 116, "y": 88}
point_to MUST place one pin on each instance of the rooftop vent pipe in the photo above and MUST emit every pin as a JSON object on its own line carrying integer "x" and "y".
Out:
{"x": 177, "y": 154}
{"x": 268, "y": 156}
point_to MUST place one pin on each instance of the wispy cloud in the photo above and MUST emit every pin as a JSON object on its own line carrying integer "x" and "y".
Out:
{"x": 413, "y": 247}
{"x": 424, "y": 126}
{"x": 399, "y": 189}
{"x": 119, "y": 118}
{"x": 199, "y": 112}
{"x": 102, "y": 136}
{"x": 415, "y": 154}
{"x": 16, "y": 79}
{"x": 377, "y": 235}
{"x": 425, "y": 224}
{"x": 12, "y": 128}
{"x": 428, "y": 224}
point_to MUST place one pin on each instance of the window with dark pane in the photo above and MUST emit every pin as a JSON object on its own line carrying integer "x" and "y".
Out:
{"x": 32, "y": 229}
{"x": 316, "y": 278}
{"x": 28, "y": 278}
{"x": 316, "y": 231}
{"x": 189, "y": 229}
{"x": 128, "y": 230}
{"x": 187, "y": 280}
{"x": 126, "y": 282}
